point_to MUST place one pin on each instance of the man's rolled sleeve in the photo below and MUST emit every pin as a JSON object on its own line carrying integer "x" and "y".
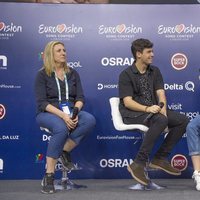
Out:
{"x": 159, "y": 83}
{"x": 125, "y": 86}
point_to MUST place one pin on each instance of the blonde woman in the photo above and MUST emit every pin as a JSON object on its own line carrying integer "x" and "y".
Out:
{"x": 59, "y": 93}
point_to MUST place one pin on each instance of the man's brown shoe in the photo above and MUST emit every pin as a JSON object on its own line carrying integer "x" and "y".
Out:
{"x": 137, "y": 172}
{"x": 164, "y": 165}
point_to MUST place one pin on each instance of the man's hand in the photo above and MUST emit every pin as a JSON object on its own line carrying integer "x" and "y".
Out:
{"x": 154, "y": 109}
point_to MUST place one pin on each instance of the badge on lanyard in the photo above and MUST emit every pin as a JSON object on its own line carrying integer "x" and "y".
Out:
{"x": 66, "y": 108}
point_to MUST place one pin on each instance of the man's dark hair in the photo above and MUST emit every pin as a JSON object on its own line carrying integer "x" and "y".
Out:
{"x": 140, "y": 45}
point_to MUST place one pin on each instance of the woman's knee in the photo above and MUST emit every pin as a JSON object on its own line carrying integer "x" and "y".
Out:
{"x": 194, "y": 124}
{"x": 92, "y": 120}
{"x": 191, "y": 128}
{"x": 60, "y": 128}
{"x": 87, "y": 118}
{"x": 86, "y": 124}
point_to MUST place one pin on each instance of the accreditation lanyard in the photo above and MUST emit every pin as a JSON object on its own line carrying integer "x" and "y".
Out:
{"x": 59, "y": 90}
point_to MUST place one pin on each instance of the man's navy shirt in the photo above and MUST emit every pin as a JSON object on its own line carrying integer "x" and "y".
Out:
{"x": 129, "y": 86}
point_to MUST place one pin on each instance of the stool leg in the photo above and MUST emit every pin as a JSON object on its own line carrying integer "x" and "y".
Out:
{"x": 152, "y": 185}
{"x": 66, "y": 184}
{"x": 61, "y": 184}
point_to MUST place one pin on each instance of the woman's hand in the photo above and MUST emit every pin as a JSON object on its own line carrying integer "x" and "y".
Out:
{"x": 71, "y": 124}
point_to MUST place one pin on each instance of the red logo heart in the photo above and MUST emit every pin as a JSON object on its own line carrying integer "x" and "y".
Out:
{"x": 61, "y": 28}
{"x": 120, "y": 28}
{"x": 180, "y": 28}
{"x": 2, "y": 25}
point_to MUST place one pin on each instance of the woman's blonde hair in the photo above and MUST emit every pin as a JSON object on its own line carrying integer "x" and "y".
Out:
{"x": 48, "y": 58}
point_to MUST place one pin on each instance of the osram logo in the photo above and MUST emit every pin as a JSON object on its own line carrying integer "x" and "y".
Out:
{"x": 113, "y": 163}
{"x": 179, "y": 61}
{"x": 117, "y": 61}
{"x": 180, "y": 162}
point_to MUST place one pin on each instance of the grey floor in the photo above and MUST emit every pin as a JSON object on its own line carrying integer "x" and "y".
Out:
{"x": 100, "y": 189}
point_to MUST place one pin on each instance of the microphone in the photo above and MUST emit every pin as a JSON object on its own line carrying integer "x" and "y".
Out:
{"x": 75, "y": 113}
{"x": 149, "y": 116}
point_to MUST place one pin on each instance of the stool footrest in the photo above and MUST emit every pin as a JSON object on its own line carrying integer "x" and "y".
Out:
{"x": 67, "y": 184}
{"x": 150, "y": 186}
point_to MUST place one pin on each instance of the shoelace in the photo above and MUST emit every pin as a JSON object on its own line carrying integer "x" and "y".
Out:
{"x": 49, "y": 180}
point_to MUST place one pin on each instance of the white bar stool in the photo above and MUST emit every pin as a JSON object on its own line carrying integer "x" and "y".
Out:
{"x": 120, "y": 126}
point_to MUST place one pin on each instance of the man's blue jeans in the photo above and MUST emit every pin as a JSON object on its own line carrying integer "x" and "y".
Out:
{"x": 193, "y": 136}
{"x": 60, "y": 132}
